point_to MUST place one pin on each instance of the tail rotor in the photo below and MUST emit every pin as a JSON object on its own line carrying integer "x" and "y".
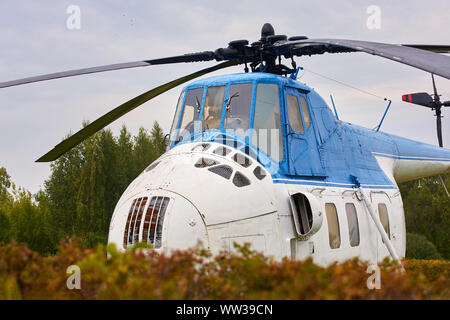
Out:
{"x": 432, "y": 102}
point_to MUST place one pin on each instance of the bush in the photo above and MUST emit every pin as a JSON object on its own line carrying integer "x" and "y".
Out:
{"x": 431, "y": 269}
{"x": 194, "y": 274}
{"x": 418, "y": 247}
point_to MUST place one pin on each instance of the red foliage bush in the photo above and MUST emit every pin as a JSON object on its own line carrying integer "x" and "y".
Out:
{"x": 194, "y": 274}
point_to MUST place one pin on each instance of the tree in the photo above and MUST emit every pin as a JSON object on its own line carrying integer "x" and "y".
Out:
{"x": 125, "y": 167}
{"x": 5, "y": 200}
{"x": 81, "y": 192}
{"x": 62, "y": 188}
{"x": 113, "y": 187}
{"x": 143, "y": 152}
{"x": 86, "y": 183}
{"x": 157, "y": 136}
{"x": 31, "y": 224}
{"x": 427, "y": 211}
{"x": 5, "y": 183}
{"x": 23, "y": 218}
{"x": 418, "y": 247}
{"x": 90, "y": 198}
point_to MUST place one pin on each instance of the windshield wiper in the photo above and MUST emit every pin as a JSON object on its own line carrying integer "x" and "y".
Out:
{"x": 198, "y": 104}
{"x": 229, "y": 100}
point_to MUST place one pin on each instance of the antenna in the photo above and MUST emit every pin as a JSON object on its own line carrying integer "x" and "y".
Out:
{"x": 384, "y": 115}
{"x": 334, "y": 107}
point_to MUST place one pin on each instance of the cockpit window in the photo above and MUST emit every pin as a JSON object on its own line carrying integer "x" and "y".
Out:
{"x": 191, "y": 112}
{"x": 238, "y": 106}
{"x": 267, "y": 135}
{"x": 175, "y": 120}
{"x": 212, "y": 111}
{"x": 305, "y": 112}
{"x": 295, "y": 119}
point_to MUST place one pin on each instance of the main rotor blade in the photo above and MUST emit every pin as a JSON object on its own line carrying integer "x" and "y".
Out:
{"x": 430, "y": 47}
{"x": 190, "y": 57}
{"x": 436, "y": 96}
{"x": 425, "y": 60}
{"x": 124, "y": 108}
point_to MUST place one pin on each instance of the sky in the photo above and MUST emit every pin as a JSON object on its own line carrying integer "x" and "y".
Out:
{"x": 35, "y": 39}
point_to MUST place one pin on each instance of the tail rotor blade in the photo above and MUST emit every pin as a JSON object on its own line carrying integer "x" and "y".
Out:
{"x": 439, "y": 130}
{"x": 124, "y": 108}
{"x": 420, "y": 98}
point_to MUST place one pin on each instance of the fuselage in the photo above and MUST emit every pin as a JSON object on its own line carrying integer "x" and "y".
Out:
{"x": 258, "y": 158}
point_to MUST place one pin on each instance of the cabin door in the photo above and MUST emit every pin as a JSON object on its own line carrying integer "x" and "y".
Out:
{"x": 382, "y": 206}
{"x": 303, "y": 155}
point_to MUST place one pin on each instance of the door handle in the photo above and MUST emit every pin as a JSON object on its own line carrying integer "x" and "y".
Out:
{"x": 288, "y": 129}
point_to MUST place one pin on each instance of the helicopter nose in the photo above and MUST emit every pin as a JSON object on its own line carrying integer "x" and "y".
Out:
{"x": 163, "y": 219}
{"x": 193, "y": 192}
{"x": 184, "y": 227}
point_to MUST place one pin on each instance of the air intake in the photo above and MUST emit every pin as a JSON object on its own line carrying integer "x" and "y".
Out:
{"x": 204, "y": 162}
{"x": 259, "y": 173}
{"x": 131, "y": 234}
{"x": 242, "y": 160}
{"x": 223, "y": 171}
{"x": 222, "y": 151}
{"x": 152, "y": 166}
{"x": 201, "y": 147}
{"x": 153, "y": 221}
{"x": 239, "y": 180}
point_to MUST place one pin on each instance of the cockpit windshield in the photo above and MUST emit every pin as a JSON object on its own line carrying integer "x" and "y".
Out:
{"x": 237, "y": 104}
{"x": 237, "y": 114}
{"x": 228, "y": 108}
{"x": 212, "y": 111}
{"x": 191, "y": 112}
{"x": 173, "y": 129}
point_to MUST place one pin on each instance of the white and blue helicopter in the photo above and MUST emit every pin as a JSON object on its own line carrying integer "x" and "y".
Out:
{"x": 259, "y": 158}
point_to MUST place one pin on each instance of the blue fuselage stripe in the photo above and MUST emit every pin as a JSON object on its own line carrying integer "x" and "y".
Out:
{"x": 409, "y": 157}
{"x": 331, "y": 184}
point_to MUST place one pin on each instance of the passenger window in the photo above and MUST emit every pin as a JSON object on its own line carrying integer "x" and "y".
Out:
{"x": 384, "y": 218}
{"x": 191, "y": 112}
{"x": 175, "y": 120}
{"x": 295, "y": 119}
{"x": 305, "y": 113}
{"x": 237, "y": 116}
{"x": 212, "y": 111}
{"x": 353, "y": 227}
{"x": 333, "y": 226}
{"x": 267, "y": 121}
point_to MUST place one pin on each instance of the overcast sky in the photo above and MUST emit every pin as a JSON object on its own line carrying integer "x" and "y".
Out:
{"x": 35, "y": 40}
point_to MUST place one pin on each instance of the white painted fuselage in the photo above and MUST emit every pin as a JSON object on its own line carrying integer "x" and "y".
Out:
{"x": 204, "y": 208}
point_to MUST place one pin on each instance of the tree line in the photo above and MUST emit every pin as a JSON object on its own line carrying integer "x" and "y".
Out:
{"x": 79, "y": 197}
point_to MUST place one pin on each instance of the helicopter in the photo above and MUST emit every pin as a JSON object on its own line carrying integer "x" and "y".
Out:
{"x": 258, "y": 157}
